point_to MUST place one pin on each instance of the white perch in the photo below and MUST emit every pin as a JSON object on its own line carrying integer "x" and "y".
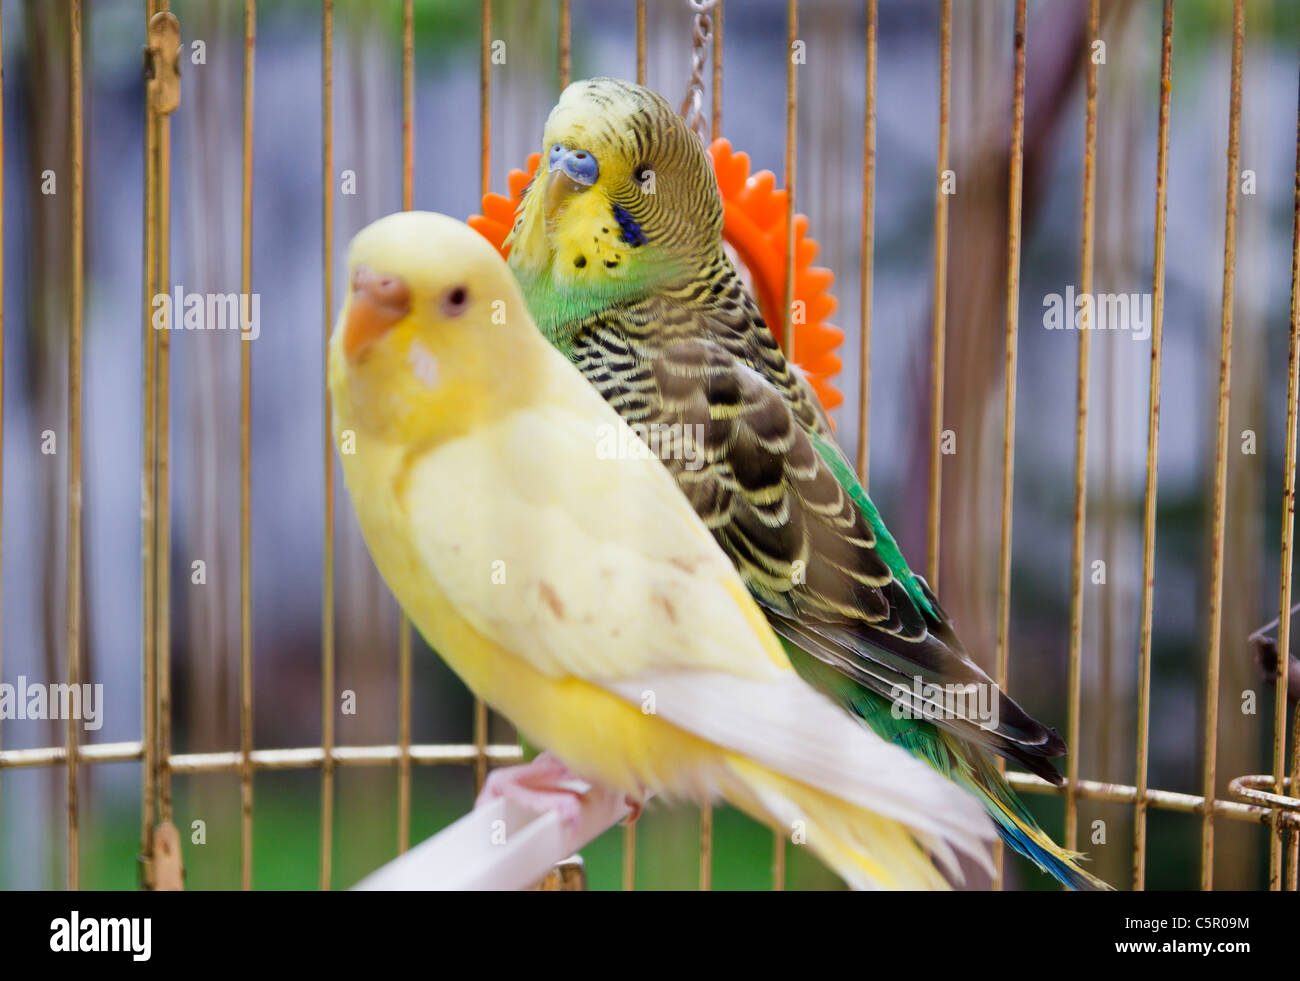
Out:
{"x": 499, "y": 845}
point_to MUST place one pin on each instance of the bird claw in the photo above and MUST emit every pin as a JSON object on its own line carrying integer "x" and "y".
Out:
{"x": 545, "y": 784}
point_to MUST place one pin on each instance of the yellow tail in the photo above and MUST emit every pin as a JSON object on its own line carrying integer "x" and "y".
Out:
{"x": 865, "y": 849}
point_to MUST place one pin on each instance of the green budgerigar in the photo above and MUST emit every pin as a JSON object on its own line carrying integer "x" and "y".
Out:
{"x": 618, "y": 248}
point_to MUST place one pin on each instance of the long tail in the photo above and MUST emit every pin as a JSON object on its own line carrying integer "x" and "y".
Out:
{"x": 965, "y": 764}
{"x": 975, "y": 772}
{"x": 791, "y": 758}
{"x": 866, "y": 850}
{"x": 972, "y": 768}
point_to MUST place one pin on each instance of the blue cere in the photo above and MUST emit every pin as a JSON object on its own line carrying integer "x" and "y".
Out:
{"x": 579, "y": 165}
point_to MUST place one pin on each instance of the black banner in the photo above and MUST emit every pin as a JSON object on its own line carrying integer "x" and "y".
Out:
{"x": 242, "y": 931}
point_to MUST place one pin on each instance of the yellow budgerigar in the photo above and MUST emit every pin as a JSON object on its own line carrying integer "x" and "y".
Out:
{"x": 549, "y": 557}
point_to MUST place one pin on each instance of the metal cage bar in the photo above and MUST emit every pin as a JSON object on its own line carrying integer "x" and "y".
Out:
{"x": 788, "y": 339}
{"x": 866, "y": 268}
{"x": 404, "y": 634}
{"x": 148, "y": 570}
{"x": 327, "y": 439}
{"x": 1074, "y": 678}
{"x": 149, "y": 695}
{"x": 640, "y": 42}
{"x": 155, "y": 531}
{"x": 443, "y": 754}
{"x": 1221, "y": 453}
{"x": 162, "y": 469}
{"x": 565, "y": 42}
{"x": 715, "y": 117}
{"x": 629, "y": 858}
{"x": 715, "y": 128}
{"x": 246, "y": 470}
{"x": 1288, "y": 527}
{"x": 1142, "y": 796}
{"x": 791, "y": 160}
{"x": 939, "y": 295}
{"x": 1015, "y": 191}
{"x": 232, "y": 761}
{"x": 74, "y": 433}
{"x": 485, "y": 153}
{"x": 1168, "y": 800}
{"x": 1288, "y": 540}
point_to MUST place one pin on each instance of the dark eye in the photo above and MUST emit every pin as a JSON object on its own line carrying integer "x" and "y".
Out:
{"x": 642, "y": 173}
{"x": 455, "y": 301}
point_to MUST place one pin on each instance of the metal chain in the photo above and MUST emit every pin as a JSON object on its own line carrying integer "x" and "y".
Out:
{"x": 702, "y": 36}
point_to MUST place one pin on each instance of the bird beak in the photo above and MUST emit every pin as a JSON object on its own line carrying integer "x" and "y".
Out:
{"x": 377, "y": 304}
{"x": 560, "y": 187}
{"x": 569, "y": 172}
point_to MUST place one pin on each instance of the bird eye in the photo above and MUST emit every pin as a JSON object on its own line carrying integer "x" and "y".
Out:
{"x": 642, "y": 173}
{"x": 455, "y": 301}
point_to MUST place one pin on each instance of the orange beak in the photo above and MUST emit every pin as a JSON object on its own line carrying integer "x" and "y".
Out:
{"x": 377, "y": 304}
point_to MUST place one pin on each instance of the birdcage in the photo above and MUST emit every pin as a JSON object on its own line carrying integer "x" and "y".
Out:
{"x": 1265, "y": 799}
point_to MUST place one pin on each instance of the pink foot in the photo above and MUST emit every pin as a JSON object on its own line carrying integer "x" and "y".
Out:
{"x": 545, "y": 784}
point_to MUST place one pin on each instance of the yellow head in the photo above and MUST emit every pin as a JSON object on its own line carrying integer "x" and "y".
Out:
{"x": 434, "y": 335}
{"x": 623, "y": 200}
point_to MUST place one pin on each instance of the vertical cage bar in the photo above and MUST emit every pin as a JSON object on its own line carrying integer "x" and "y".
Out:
{"x": 162, "y": 465}
{"x": 791, "y": 139}
{"x": 404, "y": 635}
{"x": 485, "y": 96}
{"x": 74, "y": 436}
{"x": 1279, "y": 836}
{"x": 245, "y": 472}
{"x": 939, "y": 299}
{"x": 628, "y": 877}
{"x": 485, "y": 182}
{"x": 715, "y": 123}
{"x": 1153, "y": 440}
{"x": 629, "y": 857}
{"x": 1015, "y": 188}
{"x": 715, "y": 117}
{"x": 1221, "y": 455}
{"x": 565, "y": 41}
{"x": 640, "y": 42}
{"x": 867, "y": 268}
{"x": 327, "y": 579}
{"x": 787, "y": 314}
{"x": 408, "y": 98}
{"x": 147, "y": 568}
{"x": 1081, "y": 432}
